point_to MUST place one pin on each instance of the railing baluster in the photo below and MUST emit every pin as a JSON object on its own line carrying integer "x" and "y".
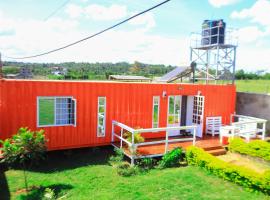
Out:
{"x": 121, "y": 141}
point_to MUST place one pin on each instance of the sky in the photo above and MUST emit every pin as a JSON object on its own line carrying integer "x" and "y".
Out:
{"x": 161, "y": 36}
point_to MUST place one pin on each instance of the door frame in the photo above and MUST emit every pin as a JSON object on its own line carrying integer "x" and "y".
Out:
{"x": 198, "y": 116}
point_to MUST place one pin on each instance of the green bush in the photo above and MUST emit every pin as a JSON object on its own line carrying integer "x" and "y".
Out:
{"x": 125, "y": 169}
{"x": 138, "y": 138}
{"x": 172, "y": 158}
{"x": 28, "y": 147}
{"x": 237, "y": 174}
{"x": 118, "y": 157}
{"x": 147, "y": 163}
{"x": 257, "y": 148}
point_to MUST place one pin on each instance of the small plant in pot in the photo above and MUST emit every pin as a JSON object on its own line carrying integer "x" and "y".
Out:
{"x": 138, "y": 138}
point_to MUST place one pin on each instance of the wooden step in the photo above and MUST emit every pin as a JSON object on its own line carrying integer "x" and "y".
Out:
{"x": 217, "y": 152}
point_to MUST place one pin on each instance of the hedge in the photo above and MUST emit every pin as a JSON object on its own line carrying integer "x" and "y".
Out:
{"x": 237, "y": 174}
{"x": 256, "y": 148}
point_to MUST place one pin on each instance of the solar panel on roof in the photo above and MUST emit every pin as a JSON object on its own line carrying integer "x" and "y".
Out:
{"x": 174, "y": 74}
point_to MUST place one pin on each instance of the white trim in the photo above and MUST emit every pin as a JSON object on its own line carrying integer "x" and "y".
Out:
{"x": 102, "y": 116}
{"x": 54, "y": 98}
{"x": 153, "y": 111}
{"x": 168, "y": 112}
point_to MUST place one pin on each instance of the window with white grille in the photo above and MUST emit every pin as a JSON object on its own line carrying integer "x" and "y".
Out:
{"x": 56, "y": 111}
{"x": 155, "y": 115}
{"x": 101, "y": 118}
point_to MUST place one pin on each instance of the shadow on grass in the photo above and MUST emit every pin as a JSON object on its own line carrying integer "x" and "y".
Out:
{"x": 4, "y": 189}
{"x": 55, "y": 191}
{"x": 71, "y": 159}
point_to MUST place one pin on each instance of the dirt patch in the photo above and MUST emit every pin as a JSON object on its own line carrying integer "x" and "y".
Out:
{"x": 255, "y": 164}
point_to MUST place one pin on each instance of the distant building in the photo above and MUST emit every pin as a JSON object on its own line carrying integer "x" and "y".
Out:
{"x": 126, "y": 78}
{"x": 58, "y": 71}
{"x": 25, "y": 73}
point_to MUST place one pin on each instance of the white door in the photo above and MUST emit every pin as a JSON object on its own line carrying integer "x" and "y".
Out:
{"x": 174, "y": 113}
{"x": 198, "y": 113}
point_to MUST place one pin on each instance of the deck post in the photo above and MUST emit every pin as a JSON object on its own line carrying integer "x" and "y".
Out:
{"x": 263, "y": 130}
{"x": 166, "y": 142}
{"x": 121, "y": 141}
{"x": 132, "y": 148}
{"x": 194, "y": 136}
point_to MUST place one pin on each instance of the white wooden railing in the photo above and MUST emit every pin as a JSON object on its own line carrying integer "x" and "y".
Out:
{"x": 133, "y": 146}
{"x": 248, "y": 127}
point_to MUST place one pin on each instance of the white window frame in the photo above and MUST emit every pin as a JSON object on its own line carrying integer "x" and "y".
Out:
{"x": 104, "y": 117}
{"x": 153, "y": 107}
{"x": 54, "y": 98}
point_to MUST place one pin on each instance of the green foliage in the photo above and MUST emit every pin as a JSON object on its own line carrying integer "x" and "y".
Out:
{"x": 138, "y": 138}
{"x": 237, "y": 174}
{"x": 256, "y": 148}
{"x": 117, "y": 158}
{"x": 93, "y": 71}
{"x": 147, "y": 163}
{"x": 172, "y": 158}
{"x": 10, "y": 70}
{"x": 125, "y": 169}
{"x": 49, "y": 194}
{"x": 24, "y": 147}
{"x": 56, "y": 77}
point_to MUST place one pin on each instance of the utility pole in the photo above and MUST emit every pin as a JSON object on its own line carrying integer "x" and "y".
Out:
{"x": 1, "y": 67}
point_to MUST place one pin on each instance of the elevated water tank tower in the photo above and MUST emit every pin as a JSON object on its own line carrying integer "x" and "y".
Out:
{"x": 214, "y": 51}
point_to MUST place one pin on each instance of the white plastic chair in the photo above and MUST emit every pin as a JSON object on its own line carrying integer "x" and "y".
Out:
{"x": 213, "y": 125}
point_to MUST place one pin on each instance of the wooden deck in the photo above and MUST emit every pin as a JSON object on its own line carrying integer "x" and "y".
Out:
{"x": 207, "y": 143}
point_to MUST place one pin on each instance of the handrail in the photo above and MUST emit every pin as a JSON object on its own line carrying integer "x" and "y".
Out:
{"x": 146, "y": 130}
{"x": 134, "y": 146}
{"x": 251, "y": 120}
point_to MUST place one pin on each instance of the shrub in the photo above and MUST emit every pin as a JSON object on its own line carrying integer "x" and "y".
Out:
{"x": 138, "y": 138}
{"x": 256, "y": 148}
{"x": 125, "y": 169}
{"x": 25, "y": 148}
{"x": 172, "y": 158}
{"x": 147, "y": 163}
{"x": 237, "y": 174}
{"x": 118, "y": 157}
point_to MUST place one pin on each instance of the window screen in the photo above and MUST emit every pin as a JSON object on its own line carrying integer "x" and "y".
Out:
{"x": 56, "y": 111}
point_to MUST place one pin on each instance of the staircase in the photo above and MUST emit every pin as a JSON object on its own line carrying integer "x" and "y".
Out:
{"x": 215, "y": 150}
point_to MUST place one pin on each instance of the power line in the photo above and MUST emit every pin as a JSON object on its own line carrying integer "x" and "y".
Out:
{"x": 56, "y": 10}
{"x": 91, "y": 36}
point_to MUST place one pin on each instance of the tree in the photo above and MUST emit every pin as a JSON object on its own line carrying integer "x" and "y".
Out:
{"x": 25, "y": 148}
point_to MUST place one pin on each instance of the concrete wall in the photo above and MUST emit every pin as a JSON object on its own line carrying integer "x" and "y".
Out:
{"x": 255, "y": 105}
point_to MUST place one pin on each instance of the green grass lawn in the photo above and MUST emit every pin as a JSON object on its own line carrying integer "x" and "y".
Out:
{"x": 257, "y": 86}
{"x": 85, "y": 174}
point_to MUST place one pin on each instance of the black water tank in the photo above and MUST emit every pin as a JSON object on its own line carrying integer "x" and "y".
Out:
{"x": 213, "y": 32}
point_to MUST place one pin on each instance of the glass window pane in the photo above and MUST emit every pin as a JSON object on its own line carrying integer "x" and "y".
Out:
{"x": 155, "y": 117}
{"x": 156, "y": 100}
{"x": 171, "y": 105}
{"x": 177, "y": 104}
{"x": 101, "y": 109}
{"x": 101, "y": 101}
{"x": 170, "y": 119}
{"x": 46, "y": 112}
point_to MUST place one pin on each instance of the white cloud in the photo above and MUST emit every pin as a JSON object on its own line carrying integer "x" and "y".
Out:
{"x": 258, "y": 13}
{"x": 74, "y": 11}
{"x": 147, "y": 20}
{"x": 98, "y": 12}
{"x": 250, "y": 34}
{"x": 36, "y": 36}
{"x": 220, "y": 3}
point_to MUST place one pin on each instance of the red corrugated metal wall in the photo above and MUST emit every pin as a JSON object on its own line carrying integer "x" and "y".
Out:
{"x": 129, "y": 103}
